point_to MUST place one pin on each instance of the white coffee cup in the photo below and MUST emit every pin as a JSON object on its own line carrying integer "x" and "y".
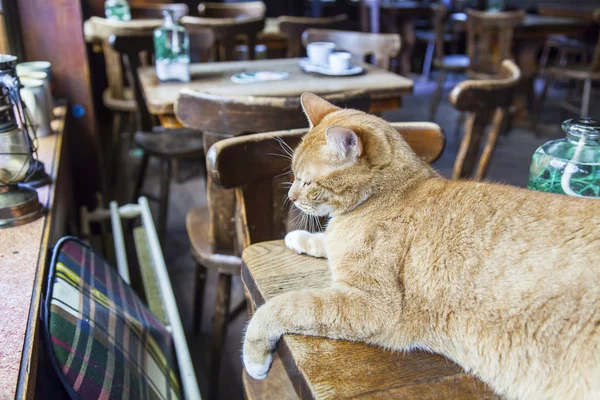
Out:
{"x": 35, "y": 96}
{"x": 339, "y": 61}
{"x": 318, "y": 52}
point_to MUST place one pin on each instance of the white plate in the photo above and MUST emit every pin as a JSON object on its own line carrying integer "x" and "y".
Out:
{"x": 306, "y": 66}
{"x": 260, "y": 76}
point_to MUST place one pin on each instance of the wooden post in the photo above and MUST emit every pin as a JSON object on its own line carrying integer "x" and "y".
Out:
{"x": 52, "y": 30}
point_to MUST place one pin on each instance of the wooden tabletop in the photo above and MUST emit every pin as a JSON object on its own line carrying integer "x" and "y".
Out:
{"x": 23, "y": 252}
{"x": 322, "y": 368}
{"x": 216, "y": 78}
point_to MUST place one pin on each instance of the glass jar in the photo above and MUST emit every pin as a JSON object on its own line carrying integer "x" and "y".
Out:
{"x": 172, "y": 50}
{"x": 117, "y": 10}
{"x": 570, "y": 165}
{"x": 15, "y": 158}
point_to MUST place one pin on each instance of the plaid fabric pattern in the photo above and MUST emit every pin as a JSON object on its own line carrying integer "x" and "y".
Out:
{"x": 105, "y": 342}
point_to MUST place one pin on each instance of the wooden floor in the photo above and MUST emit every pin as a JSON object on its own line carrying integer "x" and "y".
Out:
{"x": 510, "y": 164}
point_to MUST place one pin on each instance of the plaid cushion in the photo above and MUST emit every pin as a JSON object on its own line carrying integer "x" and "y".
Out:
{"x": 105, "y": 344}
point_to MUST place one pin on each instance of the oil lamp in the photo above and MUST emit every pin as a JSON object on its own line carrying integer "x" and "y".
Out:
{"x": 19, "y": 202}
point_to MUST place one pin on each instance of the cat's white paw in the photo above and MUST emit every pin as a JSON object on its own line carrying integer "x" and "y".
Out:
{"x": 257, "y": 357}
{"x": 297, "y": 241}
{"x": 258, "y": 370}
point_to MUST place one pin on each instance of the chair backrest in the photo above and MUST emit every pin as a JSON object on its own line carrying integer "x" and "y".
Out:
{"x": 139, "y": 11}
{"x": 489, "y": 40}
{"x": 294, "y": 27}
{"x": 226, "y": 32}
{"x": 132, "y": 47}
{"x": 248, "y": 9}
{"x": 221, "y": 117}
{"x": 481, "y": 99}
{"x": 382, "y": 46}
{"x": 257, "y": 166}
{"x": 438, "y": 21}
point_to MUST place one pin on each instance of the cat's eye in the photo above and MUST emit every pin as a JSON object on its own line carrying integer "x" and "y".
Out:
{"x": 306, "y": 183}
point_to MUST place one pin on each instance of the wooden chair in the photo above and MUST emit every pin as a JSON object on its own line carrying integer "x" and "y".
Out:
{"x": 227, "y": 31}
{"x": 149, "y": 11}
{"x": 378, "y": 16}
{"x": 489, "y": 41}
{"x": 454, "y": 63}
{"x": 211, "y": 229}
{"x": 243, "y": 164}
{"x": 294, "y": 27}
{"x": 481, "y": 99}
{"x": 381, "y": 46}
{"x": 248, "y": 9}
{"x": 574, "y": 73}
{"x": 119, "y": 97}
{"x": 169, "y": 146}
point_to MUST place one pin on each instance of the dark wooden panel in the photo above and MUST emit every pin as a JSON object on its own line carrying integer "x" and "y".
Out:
{"x": 52, "y": 31}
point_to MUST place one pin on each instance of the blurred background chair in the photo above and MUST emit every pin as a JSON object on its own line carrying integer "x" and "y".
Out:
{"x": 489, "y": 41}
{"x": 248, "y": 9}
{"x": 583, "y": 72}
{"x": 149, "y": 11}
{"x": 227, "y": 33}
{"x": 480, "y": 100}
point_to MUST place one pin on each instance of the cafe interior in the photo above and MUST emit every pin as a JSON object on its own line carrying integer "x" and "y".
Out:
{"x": 146, "y": 150}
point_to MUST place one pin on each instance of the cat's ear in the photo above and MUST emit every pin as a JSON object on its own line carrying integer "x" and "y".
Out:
{"x": 343, "y": 142}
{"x": 316, "y": 108}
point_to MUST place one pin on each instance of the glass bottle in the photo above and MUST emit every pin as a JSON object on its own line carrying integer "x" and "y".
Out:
{"x": 570, "y": 165}
{"x": 172, "y": 50}
{"x": 117, "y": 10}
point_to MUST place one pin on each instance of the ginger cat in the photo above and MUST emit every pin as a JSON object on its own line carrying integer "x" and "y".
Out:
{"x": 502, "y": 280}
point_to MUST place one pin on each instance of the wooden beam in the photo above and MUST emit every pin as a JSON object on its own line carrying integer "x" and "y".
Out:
{"x": 52, "y": 30}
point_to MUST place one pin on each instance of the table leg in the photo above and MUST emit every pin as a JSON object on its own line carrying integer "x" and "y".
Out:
{"x": 406, "y": 29}
{"x": 527, "y": 60}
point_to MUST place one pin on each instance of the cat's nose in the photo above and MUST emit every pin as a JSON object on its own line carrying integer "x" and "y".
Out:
{"x": 292, "y": 198}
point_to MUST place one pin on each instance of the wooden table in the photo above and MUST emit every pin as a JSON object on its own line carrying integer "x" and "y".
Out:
{"x": 385, "y": 88}
{"x": 23, "y": 262}
{"x": 322, "y": 368}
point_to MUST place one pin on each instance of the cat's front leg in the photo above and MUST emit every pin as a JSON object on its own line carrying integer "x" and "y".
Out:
{"x": 334, "y": 313}
{"x": 304, "y": 242}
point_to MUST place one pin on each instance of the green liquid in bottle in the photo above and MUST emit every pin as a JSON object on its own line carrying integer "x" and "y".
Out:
{"x": 571, "y": 165}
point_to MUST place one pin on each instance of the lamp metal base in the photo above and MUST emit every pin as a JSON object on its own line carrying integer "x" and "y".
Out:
{"x": 19, "y": 205}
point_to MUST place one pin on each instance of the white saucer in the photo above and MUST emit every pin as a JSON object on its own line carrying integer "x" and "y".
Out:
{"x": 306, "y": 66}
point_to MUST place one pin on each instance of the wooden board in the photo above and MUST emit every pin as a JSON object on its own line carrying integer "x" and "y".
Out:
{"x": 23, "y": 252}
{"x": 331, "y": 369}
{"x": 216, "y": 78}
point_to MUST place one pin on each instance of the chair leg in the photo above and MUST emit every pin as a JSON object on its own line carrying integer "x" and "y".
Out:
{"x": 459, "y": 124}
{"x": 437, "y": 96}
{"x": 165, "y": 186}
{"x": 427, "y": 61}
{"x": 219, "y": 332}
{"x": 585, "y": 100}
{"x": 199, "y": 297}
{"x": 139, "y": 183}
{"x": 544, "y": 58}
{"x": 540, "y": 104}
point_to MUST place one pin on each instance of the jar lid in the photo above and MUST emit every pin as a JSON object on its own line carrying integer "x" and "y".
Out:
{"x": 587, "y": 127}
